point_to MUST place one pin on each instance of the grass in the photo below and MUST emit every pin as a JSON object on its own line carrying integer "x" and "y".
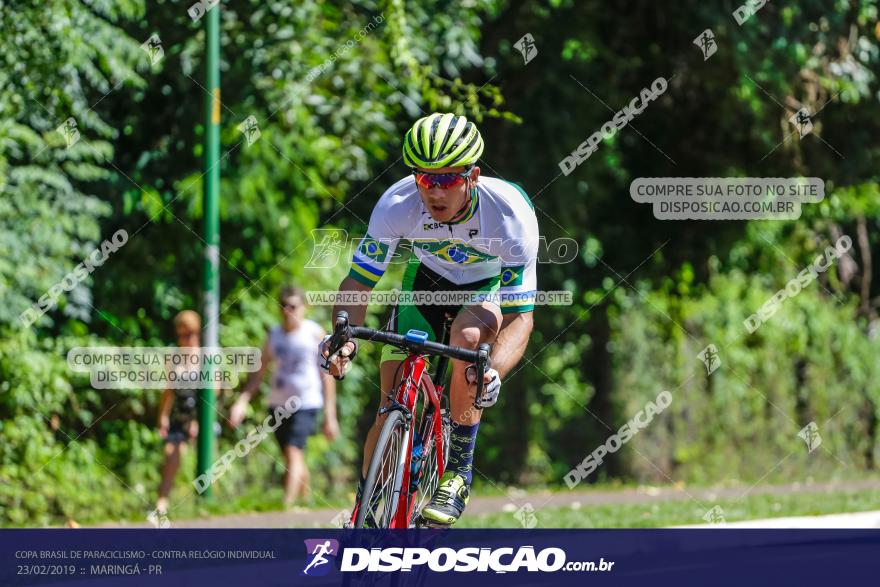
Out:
{"x": 253, "y": 491}
{"x": 681, "y": 512}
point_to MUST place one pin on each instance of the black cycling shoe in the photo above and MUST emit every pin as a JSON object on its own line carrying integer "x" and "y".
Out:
{"x": 448, "y": 502}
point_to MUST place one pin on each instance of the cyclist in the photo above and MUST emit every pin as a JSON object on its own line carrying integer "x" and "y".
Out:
{"x": 468, "y": 232}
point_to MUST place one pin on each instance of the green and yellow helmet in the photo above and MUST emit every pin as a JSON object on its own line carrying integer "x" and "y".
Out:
{"x": 442, "y": 140}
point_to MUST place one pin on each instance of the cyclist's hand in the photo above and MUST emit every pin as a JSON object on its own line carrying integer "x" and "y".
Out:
{"x": 491, "y": 385}
{"x": 341, "y": 361}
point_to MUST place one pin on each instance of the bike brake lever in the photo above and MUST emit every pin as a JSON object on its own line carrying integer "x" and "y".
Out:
{"x": 481, "y": 366}
{"x": 337, "y": 340}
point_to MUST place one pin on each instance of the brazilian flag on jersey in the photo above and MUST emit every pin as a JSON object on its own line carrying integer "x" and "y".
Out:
{"x": 368, "y": 264}
{"x": 513, "y": 298}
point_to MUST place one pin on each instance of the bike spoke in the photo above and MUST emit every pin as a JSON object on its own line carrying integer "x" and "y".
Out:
{"x": 383, "y": 500}
{"x": 430, "y": 478}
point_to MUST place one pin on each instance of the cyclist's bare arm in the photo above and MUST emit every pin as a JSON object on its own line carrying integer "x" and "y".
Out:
{"x": 356, "y": 315}
{"x": 511, "y": 342}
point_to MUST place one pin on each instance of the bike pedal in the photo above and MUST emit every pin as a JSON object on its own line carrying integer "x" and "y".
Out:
{"x": 436, "y": 526}
{"x": 423, "y": 523}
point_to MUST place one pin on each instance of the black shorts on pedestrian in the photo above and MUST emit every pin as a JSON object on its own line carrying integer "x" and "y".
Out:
{"x": 178, "y": 433}
{"x": 295, "y": 430}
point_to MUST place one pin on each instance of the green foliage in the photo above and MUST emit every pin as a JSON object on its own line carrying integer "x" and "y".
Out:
{"x": 54, "y": 58}
{"x": 136, "y": 166}
{"x": 806, "y": 364}
{"x": 332, "y": 87}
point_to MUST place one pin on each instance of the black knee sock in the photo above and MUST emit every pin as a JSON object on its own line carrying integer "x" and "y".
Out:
{"x": 461, "y": 450}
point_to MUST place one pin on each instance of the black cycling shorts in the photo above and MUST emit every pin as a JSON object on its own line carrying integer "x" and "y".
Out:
{"x": 429, "y": 318}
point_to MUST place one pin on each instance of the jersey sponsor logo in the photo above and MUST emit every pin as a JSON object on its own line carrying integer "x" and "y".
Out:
{"x": 432, "y": 225}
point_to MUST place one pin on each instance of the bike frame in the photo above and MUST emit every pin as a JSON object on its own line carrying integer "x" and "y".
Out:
{"x": 415, "y": 375}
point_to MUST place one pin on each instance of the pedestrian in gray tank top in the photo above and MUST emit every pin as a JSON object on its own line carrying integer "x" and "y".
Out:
{"x": 296, "y": 383}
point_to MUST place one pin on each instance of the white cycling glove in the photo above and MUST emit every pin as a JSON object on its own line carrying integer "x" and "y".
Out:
{"x": 490, "y": 390}
{"x": 325, "y": 365}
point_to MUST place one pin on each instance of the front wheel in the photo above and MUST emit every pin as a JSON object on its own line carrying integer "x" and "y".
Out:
{"x": 382, "y": 485}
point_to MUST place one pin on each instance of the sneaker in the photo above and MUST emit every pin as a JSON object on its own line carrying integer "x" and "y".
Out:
{"x": 449, "y": 501}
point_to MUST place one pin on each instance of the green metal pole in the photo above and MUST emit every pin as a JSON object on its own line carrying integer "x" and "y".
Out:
{"x": 211, "y": 209}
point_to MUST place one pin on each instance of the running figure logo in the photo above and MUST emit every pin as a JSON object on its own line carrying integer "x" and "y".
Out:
{"x": 802, "y": 122}
{"x": 250, "y": 129}
{"x": 526, "y": 46}
{"x": 715, "y": 515}
{"x": 69, "y": 131}
{"x": 810, "y": 435}
{"x": 153, "y": 48}
{"x": 328, "y": 246}
{"x": 706, "y": 42}
{"x": 710, "y": 358}
{"x": 318, "y": 550}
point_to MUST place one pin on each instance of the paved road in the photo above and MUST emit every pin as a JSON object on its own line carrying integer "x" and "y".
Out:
{"x": 496, "y": 504}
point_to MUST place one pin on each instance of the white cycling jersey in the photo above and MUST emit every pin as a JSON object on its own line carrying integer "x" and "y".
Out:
{"x": 497, "y": 237}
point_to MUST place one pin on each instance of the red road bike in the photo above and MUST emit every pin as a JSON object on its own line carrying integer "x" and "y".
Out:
{"x": 413, "y": 446}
